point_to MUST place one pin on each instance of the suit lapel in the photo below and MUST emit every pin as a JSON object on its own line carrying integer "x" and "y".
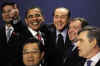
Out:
{"x": 54, "y": 38}
{"x": 3, "y": 35}
{"x": 67, "y": 41}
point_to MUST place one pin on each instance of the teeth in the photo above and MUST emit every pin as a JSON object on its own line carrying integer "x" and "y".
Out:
{"x": 35, "y": 23}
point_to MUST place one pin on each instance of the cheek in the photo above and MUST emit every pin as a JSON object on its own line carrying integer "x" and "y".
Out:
{"x": 3, "y": 16}
{"x": 84, "y": 49}
{"x": 37, "y": 58}
{"x": 24, "y": 58}
{"x": 54, "y": 21}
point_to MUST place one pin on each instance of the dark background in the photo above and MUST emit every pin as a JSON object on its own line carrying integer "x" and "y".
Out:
{"x": 89, "y": 9}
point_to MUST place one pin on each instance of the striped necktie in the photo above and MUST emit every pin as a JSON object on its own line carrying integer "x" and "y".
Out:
{"x": 89, "y": 62}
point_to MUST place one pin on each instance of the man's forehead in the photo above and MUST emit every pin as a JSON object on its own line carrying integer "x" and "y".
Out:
{"x": 63, "y": 11}
{"x": 34, "y": 10}
{"x": 31, "y": 46}
{"x": 8, "y": 6}
{"x": 83, "y": 34}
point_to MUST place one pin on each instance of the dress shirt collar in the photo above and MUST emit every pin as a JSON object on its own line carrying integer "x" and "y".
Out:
{"x": 34, "y": 33}
{"x": 9, "y": 28}
{"x": 94, "y": 59}
{"x": 63, "y": 33}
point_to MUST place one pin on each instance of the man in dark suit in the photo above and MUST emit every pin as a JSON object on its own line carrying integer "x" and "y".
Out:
{"x": 9, "y": 35}
{"x": 75, "y": 25}
{"x": 33, "y": 20}
{"x": 88, "y": 46}
{"x": 32, "y": 53}
{"x": 58, "y": 37}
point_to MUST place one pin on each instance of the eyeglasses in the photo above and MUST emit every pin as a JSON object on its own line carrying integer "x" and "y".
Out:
{"x": 34, "y": 15}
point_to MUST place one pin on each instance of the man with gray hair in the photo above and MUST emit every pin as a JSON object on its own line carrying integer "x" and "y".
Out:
{"x": 89, "y": 46}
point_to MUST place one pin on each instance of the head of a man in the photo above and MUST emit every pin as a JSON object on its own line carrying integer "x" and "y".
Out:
{"x": 75, "y": 25}
{"x": 88, "y": 42}
{"x": 34, "y": 18}
{"x": 33, "y": 52}
{"x": 9, "y": 10}
{"x": 61, "y": 17}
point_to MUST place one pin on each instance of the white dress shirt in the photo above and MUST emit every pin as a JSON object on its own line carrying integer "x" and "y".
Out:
{"x": 74, "y": 46}
{"x": 64, "y": 33}
{"x": 11, "y": 28}
{"x": 94, "y": 59}
{"x": 34, "y": 34}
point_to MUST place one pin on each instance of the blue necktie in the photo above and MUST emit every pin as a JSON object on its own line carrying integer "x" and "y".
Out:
{"x": 89, "y": 63}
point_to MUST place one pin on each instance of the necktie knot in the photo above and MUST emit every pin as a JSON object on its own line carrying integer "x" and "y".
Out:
{"x": 38, "y": 36}
{"x": 89, "y": 62}
{"x": 60, "y": 36}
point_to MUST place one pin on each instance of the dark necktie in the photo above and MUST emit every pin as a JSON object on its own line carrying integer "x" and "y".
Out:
{"x": 60, "y": 42}
{"x": 89, "y": 63}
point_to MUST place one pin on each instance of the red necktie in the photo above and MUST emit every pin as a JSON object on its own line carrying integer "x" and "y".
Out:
{"x": 39, "y": 36}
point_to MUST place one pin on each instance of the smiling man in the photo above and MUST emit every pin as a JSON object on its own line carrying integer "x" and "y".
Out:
{"x": 34, "y": 18}
{"x": 58, "y": 37}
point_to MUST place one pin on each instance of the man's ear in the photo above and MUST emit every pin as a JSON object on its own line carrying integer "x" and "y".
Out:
{"x": 42, "y": 55}
{"x": 26, "y": 21}
{"x": 93, "y": 42}
{"x": 42, "y": 19}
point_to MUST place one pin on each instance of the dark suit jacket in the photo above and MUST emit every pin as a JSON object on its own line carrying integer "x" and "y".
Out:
{"x": 55, "y": 55}
{"x": 25, "y": 34}
{"x": 8, "y": 50}
{"x": 72, "y": 57}
{"x": 98, "y": 64}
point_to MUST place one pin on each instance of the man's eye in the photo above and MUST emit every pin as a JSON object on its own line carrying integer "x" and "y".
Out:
{"x": 37, "y": 15}
{"x": 26, "y": 52}
{"x": 30, "y": 16}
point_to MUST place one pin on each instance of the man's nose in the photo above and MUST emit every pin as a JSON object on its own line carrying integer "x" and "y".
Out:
{"x": 30, "y": 54}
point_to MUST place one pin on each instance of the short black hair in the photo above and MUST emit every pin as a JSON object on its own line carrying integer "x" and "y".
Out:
{"x": 93, "y": 32}
{"x": 7, "y": 3}
{"x": 83, "y": 21}
{"x": 33, "y": 7}
{"x": 34, "y": 40}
